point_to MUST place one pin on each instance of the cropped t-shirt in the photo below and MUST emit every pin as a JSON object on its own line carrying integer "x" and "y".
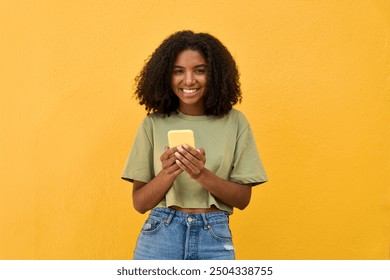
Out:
{"x": 230, "y": 148}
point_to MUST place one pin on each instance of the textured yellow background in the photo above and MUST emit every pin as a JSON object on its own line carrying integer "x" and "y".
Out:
{"x": 316, "y": 85}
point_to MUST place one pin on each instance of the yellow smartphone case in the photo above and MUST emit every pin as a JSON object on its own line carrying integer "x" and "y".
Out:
{"x": 181, "y": 137}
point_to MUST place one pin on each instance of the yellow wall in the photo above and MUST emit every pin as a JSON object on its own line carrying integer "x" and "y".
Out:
{"x": 316, "y": 85}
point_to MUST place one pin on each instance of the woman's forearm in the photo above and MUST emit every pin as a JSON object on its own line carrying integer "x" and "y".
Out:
{"x": 230, "y": 193}
{"x": 147, "y": 195}
{"x": 193, "y": 161}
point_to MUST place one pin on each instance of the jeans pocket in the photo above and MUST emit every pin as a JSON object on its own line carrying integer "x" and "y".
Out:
{"x": 152, "y": 225}
{"x": 220, "y": 231}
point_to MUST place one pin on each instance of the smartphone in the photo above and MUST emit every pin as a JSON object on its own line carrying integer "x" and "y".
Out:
{"x": 181, "y": 137}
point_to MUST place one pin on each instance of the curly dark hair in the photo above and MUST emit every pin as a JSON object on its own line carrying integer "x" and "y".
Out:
{"x": 153, "y": 84}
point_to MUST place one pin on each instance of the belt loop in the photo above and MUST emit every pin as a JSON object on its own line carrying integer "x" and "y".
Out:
{"x": 205, "y": 222}
{"x": 170, "y": 217}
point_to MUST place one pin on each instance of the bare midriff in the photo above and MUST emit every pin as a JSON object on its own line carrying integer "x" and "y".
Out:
{"x": 195, "y": 210}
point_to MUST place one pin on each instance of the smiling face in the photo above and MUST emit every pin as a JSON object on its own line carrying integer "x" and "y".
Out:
{"x": 189, "y": 81}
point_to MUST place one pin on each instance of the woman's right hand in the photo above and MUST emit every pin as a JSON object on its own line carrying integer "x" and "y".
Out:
{"x": 168, "y": 162}
{"x": 146, "y": 195}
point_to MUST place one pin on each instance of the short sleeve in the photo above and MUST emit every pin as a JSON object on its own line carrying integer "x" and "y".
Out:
{"x": 247, "y": 165}
{"x": 139, "y": 165}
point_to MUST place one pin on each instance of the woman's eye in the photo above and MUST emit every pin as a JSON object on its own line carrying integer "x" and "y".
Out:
{"x": 178, "y": 71}
{"x": 200, "y": 71}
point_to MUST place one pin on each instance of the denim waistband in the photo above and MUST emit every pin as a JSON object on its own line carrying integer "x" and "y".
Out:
{"x": 169, "y": 214}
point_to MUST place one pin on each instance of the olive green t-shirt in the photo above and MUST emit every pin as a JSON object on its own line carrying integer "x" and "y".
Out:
{"x": 230, "y": 148}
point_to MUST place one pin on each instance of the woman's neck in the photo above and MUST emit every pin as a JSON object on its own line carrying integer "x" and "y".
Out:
{"x": 192, "y": 111}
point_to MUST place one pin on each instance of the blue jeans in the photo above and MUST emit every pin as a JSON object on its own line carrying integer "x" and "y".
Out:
{"x": 173, "y": 235}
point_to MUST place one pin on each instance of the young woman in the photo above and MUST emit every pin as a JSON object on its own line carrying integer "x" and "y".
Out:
{"x": 191, "y": 82}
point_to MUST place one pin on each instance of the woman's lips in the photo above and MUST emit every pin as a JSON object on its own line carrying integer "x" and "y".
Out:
{"x": 189, "y": 92}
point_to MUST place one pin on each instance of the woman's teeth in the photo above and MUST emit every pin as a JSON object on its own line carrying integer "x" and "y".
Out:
{"x": 189, "y": 90}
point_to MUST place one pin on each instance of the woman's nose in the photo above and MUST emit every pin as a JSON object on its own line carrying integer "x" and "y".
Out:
{"x": 189, "y": 79}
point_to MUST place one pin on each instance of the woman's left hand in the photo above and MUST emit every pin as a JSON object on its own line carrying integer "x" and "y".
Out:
{"x": 191, "y": 160}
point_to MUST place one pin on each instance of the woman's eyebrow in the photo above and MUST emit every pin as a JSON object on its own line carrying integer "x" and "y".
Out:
{"x": 196, "y": 66}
